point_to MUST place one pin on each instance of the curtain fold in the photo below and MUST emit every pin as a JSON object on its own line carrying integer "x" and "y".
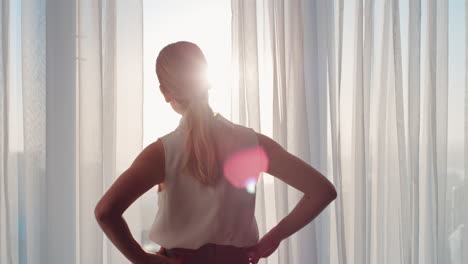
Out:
{"x": 32, "y": 177}
{"x": 414, "y": 51}
{"x": 5, "y": 246}
{"x": 429, "y": 162}
{"x": 359, "y": 143}
{"x": 401, "y": 136}
{"x": 90, "y": 120}
{"x": 441, "y": 119}
{"x": 334, "y": 81}
{"x": 380, "y": 166}
{"x": 464, "y": 237}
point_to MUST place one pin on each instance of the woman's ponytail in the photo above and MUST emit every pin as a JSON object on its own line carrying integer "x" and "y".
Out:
{"x": 200, "y": 159}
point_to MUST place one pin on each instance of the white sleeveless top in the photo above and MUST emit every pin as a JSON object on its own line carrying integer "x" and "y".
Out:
{"x": 191, "y": 214}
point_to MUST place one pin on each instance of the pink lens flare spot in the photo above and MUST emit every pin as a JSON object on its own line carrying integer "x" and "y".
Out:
{"x": 243, "y": 168}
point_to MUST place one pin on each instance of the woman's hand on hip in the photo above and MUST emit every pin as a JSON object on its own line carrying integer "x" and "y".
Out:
{"x": 264, "y": 248}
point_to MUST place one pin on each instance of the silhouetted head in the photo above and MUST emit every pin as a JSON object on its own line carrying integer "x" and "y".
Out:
{"x": 181, "y": 68}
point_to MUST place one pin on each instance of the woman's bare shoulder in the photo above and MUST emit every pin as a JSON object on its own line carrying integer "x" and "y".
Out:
{"x": 268, "y": 144}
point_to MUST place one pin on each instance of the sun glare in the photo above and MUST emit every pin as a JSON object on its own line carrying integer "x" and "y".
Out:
{"x": 220, "y": 81}
{"x": 205, "y": 23}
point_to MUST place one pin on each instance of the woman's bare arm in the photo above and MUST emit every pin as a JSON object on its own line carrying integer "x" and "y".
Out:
{"x": 145, "y": 172}
{"x": 318, "y": 190}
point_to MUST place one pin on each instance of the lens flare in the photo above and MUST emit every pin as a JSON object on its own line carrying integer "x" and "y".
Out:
{"x": 250, "y": 185}
{"x": 243, "y": 168}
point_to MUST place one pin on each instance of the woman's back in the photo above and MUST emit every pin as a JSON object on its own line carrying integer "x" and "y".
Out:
{"x": 192, "y": 214}
{"x": 209, "y": 168}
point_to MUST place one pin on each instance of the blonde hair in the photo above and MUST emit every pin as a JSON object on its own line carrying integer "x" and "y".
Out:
{"x": 181, "y": 69}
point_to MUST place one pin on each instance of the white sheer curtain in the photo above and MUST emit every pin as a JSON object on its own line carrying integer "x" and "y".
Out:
{"x": 22, "y": 131}
{"x": 369, "y": 93}
{"x": 110, "y": 113}
{"x": 78, "y": 66}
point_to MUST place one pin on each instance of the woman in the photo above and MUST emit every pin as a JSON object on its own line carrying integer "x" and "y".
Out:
{"x": 209, "y": 167}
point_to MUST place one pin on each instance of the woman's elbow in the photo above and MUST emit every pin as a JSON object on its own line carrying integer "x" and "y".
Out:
{"x": 99, "y": 214}
{"x": 102, "y": 213}
{"x": 333, "y": 193}
{"x": 330, "y": 192}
